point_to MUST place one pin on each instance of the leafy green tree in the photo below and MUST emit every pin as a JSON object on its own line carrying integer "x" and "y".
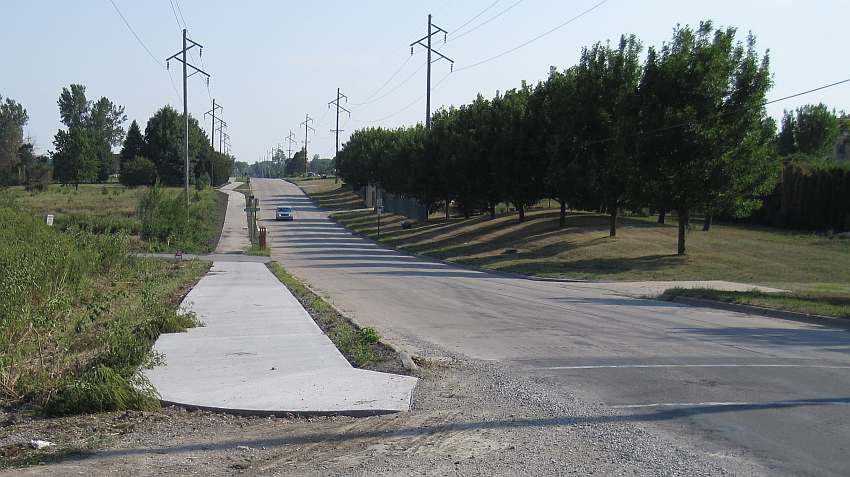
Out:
{"x": 295, "y": 165}
{"x": 13, "y": 118}
{"x": 36, "y": 169}
{"x": 102, "y": 121}
{"x": 702, "y": 119}
{"x": 164, "y": 138}
{"x": 134, "y": 143}
{"x": 75, "y": 158}
{"x": 138, "y": 171}
{"x": 815, "y": 129}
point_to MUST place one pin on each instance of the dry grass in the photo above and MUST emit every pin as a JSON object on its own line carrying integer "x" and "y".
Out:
{"x": 330, "y": 195}
{"x": 90, "y": 199}
{"x": 642, "y": 249}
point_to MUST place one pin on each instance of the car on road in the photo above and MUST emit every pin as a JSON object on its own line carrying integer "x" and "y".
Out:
{"x": 284, "y": 213}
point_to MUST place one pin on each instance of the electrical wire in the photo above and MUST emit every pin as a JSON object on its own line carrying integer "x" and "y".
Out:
{"x": 538, "y": 37}
{"x": 142, "y": 43}
{"x": 408, "y": 106}
{"x": 482, "y": 12}
{"x": 179, "y": 26}
{"x": 406, "y": 61}
{"x": 395, "y": 88}
{"x": 506, "y": 10}
{"x": 180, "y": 11}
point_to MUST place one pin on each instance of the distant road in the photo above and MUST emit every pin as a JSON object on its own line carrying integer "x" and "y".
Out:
{"x": 771, "y": 391}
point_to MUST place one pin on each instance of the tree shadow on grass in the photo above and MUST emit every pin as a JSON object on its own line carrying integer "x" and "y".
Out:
{"x": 588, "y": 269}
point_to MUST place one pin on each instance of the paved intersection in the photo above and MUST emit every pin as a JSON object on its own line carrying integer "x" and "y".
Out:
{"x": 744, "y": 386}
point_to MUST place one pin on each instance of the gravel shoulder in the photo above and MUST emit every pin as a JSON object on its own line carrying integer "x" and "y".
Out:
{"x": 469, "y": 418}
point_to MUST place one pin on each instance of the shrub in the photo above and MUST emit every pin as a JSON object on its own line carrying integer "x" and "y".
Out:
{"x": 138, "y": 172}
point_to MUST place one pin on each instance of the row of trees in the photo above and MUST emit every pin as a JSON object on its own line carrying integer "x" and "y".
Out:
{"x": 684, "y": 130}
{"x": 83, "y": 150}
{"x": 281, "y": 166}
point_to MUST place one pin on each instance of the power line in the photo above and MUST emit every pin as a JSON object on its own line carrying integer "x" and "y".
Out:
{"x": 180, "y": 11}
{"x": 179, "y": 26}
{"x": 406, "y": 61}
{"x": 506, "y": 10}
{"x": 482, "y": 12}
{"x": 395, "y": 88}
{"x": 546, "y": 33}
{"x": 406, "y": 107}
{"x": 136, "y": 35}
{"x": 432, "y": 30}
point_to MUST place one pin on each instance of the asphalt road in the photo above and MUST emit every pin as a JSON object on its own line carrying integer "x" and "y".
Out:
{"x": 740, "y": 387}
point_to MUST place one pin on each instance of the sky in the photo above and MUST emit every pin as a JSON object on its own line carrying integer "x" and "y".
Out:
{"x": 274, "y": 62}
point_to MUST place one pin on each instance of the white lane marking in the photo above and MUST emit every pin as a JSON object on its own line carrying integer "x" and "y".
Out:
{"x": 734, "y": 403}
{"x": 627, "y": 366}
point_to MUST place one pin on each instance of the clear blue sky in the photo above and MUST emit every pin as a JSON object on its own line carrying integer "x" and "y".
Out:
{"x": 274, "y": 61}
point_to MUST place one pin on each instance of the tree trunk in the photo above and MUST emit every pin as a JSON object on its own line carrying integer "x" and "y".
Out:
{"x": 706, "y": 224}
{"x": 521, "y": 209}
{"x": 683, "y": 225}
{"x": 662, "y": 213}
{"x": 613, "y": 231}
{"x": 448, "y": 207}
{"x": 562, "y": 222}
{"x": 492, "y": 210}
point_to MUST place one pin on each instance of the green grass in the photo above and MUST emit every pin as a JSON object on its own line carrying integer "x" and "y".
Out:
{"x": 112, "y": 208}
{"x": 361, "y": 347}
{"x": 78, "y": 316}
{"x": 256, "y": 251}
{"x": 823, "y": 304}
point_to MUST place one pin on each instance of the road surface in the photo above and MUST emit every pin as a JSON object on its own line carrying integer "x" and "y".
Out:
{"x": 772, "y": 391}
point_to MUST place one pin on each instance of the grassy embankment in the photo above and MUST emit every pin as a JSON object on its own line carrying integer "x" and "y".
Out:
{"x": 815, "y": 268}
{"x": 79, "y": 314}
{"x": 112, "y": 208}
{"x": 361, "y": 346}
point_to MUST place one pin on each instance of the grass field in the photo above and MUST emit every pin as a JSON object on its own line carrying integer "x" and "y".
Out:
{"x": 642, "y": 250}
{"x": 113, "y": 208}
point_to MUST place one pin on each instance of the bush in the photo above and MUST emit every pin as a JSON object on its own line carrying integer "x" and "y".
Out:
{"x": 164, "y": 222}
{"x": 138, "y": 172}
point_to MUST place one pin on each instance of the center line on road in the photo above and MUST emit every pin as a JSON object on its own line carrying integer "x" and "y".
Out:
{"x": 626, "y": 366}
{"x": 802, "y": 402}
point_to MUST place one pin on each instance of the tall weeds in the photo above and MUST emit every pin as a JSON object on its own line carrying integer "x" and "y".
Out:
{"x": 78, "y": 316}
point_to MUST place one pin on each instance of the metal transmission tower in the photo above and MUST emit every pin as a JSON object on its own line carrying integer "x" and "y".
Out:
{"x": 222, "y": 125}
{"x": 181, "y": 57}
{"x": 335, "y": 102}
{"x": 432, "y": 30}
{"x": 292, "y": 140}
{"x": 307, "y": 128}
{"x": 211, "y": 112}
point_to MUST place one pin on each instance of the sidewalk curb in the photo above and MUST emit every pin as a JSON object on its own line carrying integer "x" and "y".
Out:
{"x": 760, "y": 311}
{"x": 406, "y": 360}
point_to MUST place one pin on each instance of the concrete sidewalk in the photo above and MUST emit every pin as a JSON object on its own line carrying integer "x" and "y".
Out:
{"x": 260, "y": 352}
{"x": 234, "y": 232}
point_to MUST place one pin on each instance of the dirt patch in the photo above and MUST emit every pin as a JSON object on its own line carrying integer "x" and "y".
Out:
{"x": 469, "y": 418}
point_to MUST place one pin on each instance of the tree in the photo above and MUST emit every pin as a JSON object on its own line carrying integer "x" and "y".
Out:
{"x": 702, "y": 119}
{"x": 134, "y": 144}
{"x": 814, "y": 129}
{"x": 295, "y": 165}
{"x": 36, "y": 169}
{"x": 75, "y": 159}
{"x": 164, "y": 139}
{"x": 102, "y": 122}
{"x": 138, "y": 171}
{"x": 606, "y": 87}
{"x": 13, "y": 118}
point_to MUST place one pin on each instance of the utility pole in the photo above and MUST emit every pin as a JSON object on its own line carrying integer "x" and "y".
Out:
{"x": 291, "y": 139}
{"x": 211, "y": 112}
{"x": 307, "y": 128}
{"x": 432, "y": 30}
{"x": 222, "y": 125}
{"x": 181, "y": 57}
{"x": 338, "y": 130}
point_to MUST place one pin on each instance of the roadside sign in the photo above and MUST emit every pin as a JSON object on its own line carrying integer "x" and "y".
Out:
{"x": 50, "y": 220}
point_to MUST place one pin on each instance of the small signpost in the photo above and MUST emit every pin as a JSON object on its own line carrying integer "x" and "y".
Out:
{"x": 178, "y": 255}
{"x": 50, "y": 220}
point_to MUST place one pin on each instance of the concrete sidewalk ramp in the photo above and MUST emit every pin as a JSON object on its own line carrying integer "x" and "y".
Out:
{"x": 261, "y": 353}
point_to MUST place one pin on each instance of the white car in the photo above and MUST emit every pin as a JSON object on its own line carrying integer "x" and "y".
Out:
{"x": 284, "y": 213}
